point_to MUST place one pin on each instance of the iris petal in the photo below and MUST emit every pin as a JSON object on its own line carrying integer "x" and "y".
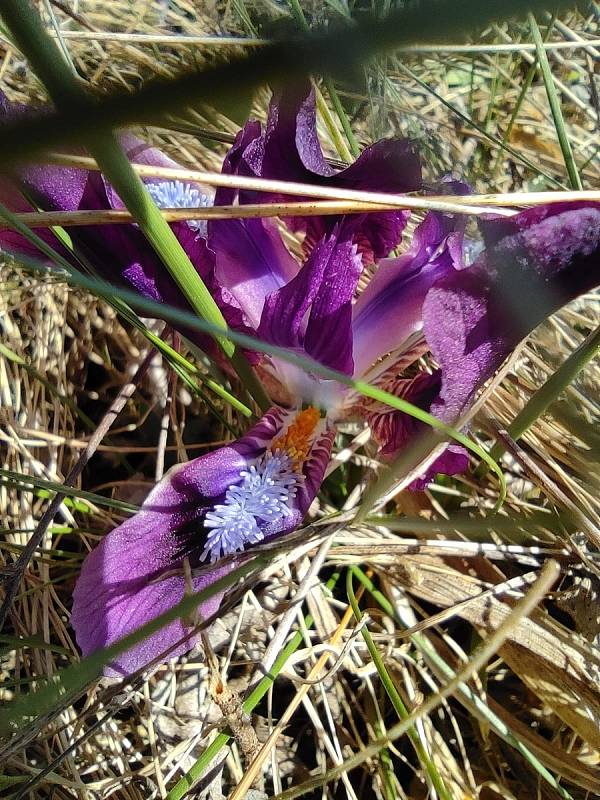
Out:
{"x": 534, "y": 263}
{"x": 313, "y": 311}
{"x": 390, "y": 309}
{"x": 289, "y": 149}
{"x": 136, "y": 572}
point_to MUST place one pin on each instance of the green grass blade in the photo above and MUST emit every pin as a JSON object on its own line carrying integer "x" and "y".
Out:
{"x": 394, "y": 695}
{"x": 30, "y": 483}
{"x": 554, "y": 102}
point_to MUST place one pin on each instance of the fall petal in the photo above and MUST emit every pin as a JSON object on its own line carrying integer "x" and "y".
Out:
{"x": 137, "y": 570}
{"x": 396, "y": 430}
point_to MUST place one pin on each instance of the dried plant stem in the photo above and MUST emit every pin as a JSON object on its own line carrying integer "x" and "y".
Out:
{"x": 492, "y": 643}
{"x": 74, "y": 219}
{"x": 465, "y": 694}
{"x": 451, "y": 203}
{"x": 173, "y": 40}
{"x": 13, "y": 581}
{"x": 550, "y": 488}
{"x": 560, "y": 380}
{"x": 315, "y": 672}
{"x": 197, "y": 770}
{"x": 391, "y": 690}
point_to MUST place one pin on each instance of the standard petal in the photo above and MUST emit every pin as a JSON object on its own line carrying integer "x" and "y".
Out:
{"x": 251, "y": 261}
{"x": 285, "y": 311}
{"x": 289, "y": 149}
{"x": 313, "y": 311}
{"x": 328, "y": 337}
{"x": 534, "y": 263}
{"x": 390, "y": 309}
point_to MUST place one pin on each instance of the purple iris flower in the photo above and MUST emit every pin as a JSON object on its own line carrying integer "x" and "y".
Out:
{"x": 261, "y": 485}
{"x": 422, "y": 302}
{"x": 426, "y": 327}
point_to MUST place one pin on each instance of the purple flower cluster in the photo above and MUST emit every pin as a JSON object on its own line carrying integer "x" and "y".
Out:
{"x": 425, "y": 306}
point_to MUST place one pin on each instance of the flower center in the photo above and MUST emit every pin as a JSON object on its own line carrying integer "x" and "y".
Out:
{"x": 264, "y": 493}
{"x": 177, "y": 194}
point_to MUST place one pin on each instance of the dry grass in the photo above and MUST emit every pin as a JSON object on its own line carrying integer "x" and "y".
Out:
{"x": 443, "y": 570}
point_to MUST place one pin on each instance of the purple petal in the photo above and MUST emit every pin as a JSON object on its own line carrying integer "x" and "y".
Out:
{"x": 313, "y": 311}
{"x": 120, "y": 254}
{"x": 52, "y": 188}
{"x": 11, "y": 241}
{"x": 454, "y": 460}
{"x": 251, "y": 262}
{"x": 285, "y": 311}
{"x": 328, "y": 337}
{"x": 122, "y": 583}
{"x": 56, "y": 188}
{"x": 234, "y": 162}
{"x": 136, "y": 572}
{"x": 289, "y": 149}
{"x": 290, "y": 145}
{"x": 390, "y": 309}
{"x": 534, "y": 263}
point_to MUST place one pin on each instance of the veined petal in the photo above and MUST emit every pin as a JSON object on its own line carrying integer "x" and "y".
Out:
{"x": 251, "y": 261}
{"x": 313, "y": 311}
{"x": 137, "y": 571}
{"x": 285, "y": 311}
{"x": 120, "y": 254}
{"x": 328, "y": 337}
{"x": 396, "y": 430}
{"x": 390, "y": 309}
{"x": 535, "y": 262}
